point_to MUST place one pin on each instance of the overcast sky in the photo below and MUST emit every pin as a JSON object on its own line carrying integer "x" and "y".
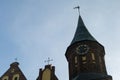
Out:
{"x": 33, "y": 30}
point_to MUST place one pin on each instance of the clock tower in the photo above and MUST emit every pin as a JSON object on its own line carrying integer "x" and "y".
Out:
{"x": 85, "y": 56}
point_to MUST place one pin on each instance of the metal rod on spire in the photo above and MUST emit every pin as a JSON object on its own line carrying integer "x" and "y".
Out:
{"x": 78, "y": 7}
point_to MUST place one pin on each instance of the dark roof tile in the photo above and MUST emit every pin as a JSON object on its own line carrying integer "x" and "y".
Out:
{"x": 82, "y": 33}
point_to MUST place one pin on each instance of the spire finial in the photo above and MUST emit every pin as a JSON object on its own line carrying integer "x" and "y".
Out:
{"x": 78, "y": 7}
{"x": 48, "y": 60}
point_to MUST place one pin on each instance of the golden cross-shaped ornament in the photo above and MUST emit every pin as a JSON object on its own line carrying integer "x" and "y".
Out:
{"x": 78, "y": 7}
{"x": 48, "y": 60}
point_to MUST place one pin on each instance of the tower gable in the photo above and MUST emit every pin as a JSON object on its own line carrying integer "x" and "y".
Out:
{"x": 47, "y": 74}
{"x": 13, "y": 73}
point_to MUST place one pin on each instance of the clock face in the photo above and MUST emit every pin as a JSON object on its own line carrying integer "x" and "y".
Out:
{"x": 82, "y": 49}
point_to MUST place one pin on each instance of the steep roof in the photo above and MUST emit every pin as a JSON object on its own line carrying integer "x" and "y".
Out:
{"x": 52, "y": 72}
{"x": 82, "y": 33}
{"x": 14, "y": 69}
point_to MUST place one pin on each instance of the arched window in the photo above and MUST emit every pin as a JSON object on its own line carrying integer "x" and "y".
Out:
{"x": 15, "y": 77}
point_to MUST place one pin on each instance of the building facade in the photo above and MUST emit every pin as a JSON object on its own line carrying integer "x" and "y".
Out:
{"x": 13, "y": 73}
{"x": 85, "y": 56}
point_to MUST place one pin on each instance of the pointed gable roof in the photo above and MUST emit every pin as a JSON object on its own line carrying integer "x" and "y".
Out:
{"x": 13, "y": 70}
{"x": 47, "y": 68}
{"x": 82, "y": 33}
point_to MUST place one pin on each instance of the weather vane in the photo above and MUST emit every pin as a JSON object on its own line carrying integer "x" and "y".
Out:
{"x": 78, "y": 7}
{"x": 48, "y": 60}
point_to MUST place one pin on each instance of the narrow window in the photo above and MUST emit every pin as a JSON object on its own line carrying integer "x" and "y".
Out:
{"x": 93, "y": 56}
{"x": 76, "y": 60}
{"x": 84, "y": 59}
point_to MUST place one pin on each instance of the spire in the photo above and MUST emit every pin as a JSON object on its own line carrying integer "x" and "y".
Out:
{"x": 81, "y": 32}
